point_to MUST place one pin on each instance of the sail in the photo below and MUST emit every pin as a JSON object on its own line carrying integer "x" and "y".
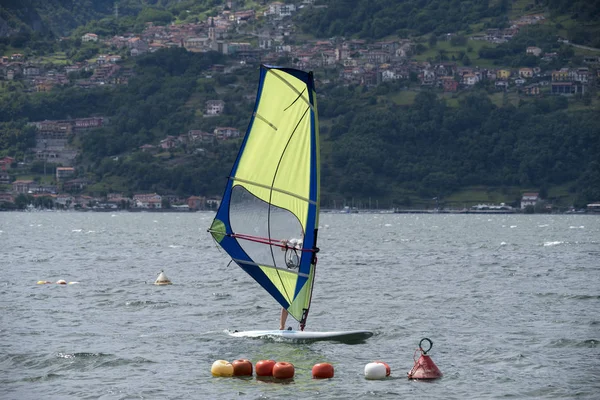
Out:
{"x": 268, "y": 217}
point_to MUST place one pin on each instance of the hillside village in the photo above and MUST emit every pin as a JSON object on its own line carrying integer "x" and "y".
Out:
{"x": 360, "y": 62}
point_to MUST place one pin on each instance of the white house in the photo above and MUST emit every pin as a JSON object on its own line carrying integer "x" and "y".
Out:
{"x": 529, "y": 199}
{"x": 215, "y": 107}
{"x": 536, "y": 51}
{"x": 470, "y": 79}
{"x": 388, "y": 75}
{"x": 281, "y": 9}
{"x": 64, "y": 172}
{"x": 89, "y": 37}
{"x": 226, "y": 132}
{"x": 152, "y": 200}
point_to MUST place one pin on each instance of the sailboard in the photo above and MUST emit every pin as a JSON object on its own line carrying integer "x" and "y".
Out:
{"x": 307, "y": 336}
{"x": 268, "y": 217}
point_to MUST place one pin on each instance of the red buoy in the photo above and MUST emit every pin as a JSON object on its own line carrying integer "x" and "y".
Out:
{"x": 322, "y": 371}
{"x": 283, "y": 370}
{"x": 265, "y": 367}
{"x": 242, "y": 367}
{"x": 424, "y": 367}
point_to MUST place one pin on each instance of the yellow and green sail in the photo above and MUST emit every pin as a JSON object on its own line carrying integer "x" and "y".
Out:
{"x": 268, "y": 217}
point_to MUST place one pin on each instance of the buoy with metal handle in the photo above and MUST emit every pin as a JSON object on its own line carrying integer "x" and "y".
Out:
{"x": 424, "y": 367}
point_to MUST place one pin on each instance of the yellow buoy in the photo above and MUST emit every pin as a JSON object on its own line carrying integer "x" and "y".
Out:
{"x": 162, "y": 279}
{"x": 222, "y": 368}
{"x": 43, "y": 282}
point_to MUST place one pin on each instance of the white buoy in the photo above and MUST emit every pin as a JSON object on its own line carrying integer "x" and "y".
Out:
{"x": 375, "y": 371}
{"x": 162, "y": 279}
{"x": 61, "y": 282}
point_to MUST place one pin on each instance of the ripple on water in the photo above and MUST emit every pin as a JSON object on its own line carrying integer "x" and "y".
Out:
{"x": 511, "y": 303}
{"x": 575, "y": 343}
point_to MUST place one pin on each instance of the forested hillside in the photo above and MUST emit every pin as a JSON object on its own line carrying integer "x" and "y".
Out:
{"x": 381, "y": 151}
{"x": 384, "y": 18}
{"x": 50, "y": 17}
{"x": 23, "y": 19}
{"x": 435, "y": 150}
{"x": 399, "y": 142}
{"x": 380, "y": 18}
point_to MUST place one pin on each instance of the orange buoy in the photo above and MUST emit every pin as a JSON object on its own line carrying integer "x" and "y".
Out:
{"x": 265, "y": 367}
{"x": 322, "y": 371}
{"x": 242, "y": 367}
{"x": 388, "y": 370}
{"x": 283, "y": 370}
{"x": 424, "y": 367}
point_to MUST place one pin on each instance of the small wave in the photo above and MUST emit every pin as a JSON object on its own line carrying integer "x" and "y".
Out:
{"x": 543, "y": 225}
{"x": 81, "y": 355}
{"x": 88, "y": 361}
{"x": 137, "y": 303}
{"x": 584, "y": 297}
{"x": 76, "y": 230}
{"x": 46, "y": 377}
{"x": 221, "y": 295}
{"x": 122, "y": 361}
{"x": 175, "y": 246}
{"x": 585, "y": 343}
{"x": 577, "y": 227}
{"x": 569, "y": 296}
{"x": 555, "y": 243}
{"x": 547, "y": 294}
{"x": 107, "y": 259}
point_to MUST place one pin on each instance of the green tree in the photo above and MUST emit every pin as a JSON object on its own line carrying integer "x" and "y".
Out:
{"x": 466, "y": 60}
{"x": 432, "y": 40}
{"x": 23, "y": 200}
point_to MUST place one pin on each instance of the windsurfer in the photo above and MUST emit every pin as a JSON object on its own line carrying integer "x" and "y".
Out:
{"x": 292, "y": 249}
{"x": 290, "y": 246}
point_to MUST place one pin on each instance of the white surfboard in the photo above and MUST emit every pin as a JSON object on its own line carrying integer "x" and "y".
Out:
{"x": 336, "y": 336}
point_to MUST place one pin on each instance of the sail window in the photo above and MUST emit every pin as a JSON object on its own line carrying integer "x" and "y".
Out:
{"x": 252, "y": 216}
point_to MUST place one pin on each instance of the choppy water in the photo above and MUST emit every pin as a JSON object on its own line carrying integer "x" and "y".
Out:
{"x": 511, "y": 302}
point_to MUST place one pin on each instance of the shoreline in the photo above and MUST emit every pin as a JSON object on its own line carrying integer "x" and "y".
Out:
{"x": 323, "y": 211}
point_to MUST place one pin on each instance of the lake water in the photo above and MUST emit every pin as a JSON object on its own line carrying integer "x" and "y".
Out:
{"x": 511, "y": 303}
